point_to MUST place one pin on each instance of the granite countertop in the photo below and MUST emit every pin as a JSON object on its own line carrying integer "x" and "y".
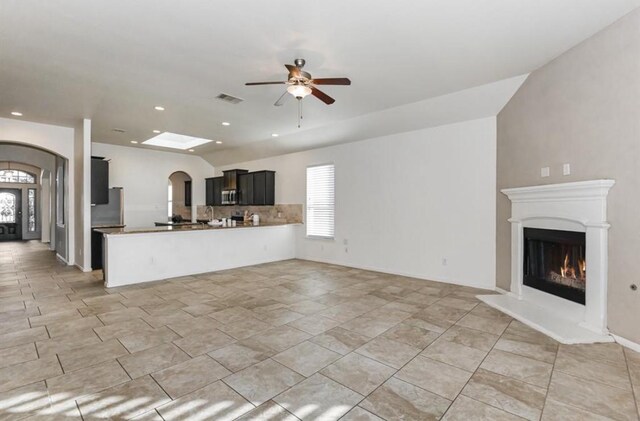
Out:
{"x": 101, "y": 226}
{"x": 182, "y": 228}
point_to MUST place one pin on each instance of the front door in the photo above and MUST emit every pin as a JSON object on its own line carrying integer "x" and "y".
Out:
{"x": 10, "y": 214}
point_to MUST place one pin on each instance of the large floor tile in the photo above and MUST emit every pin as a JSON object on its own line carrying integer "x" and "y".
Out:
{"x": 306, "y": 358}
{"x": 434, "y": 376}
{"x": 495, "y": 326}
{"x": 527, "y": 347}
{"x": 23, "y": 336}
{"x": 29, "y": 372}
{"x": 89, "y": 355}
{"x": 398, "y": 400}
{"x": 26, "y": 401}
{"x": 268, "y": 411}
{"x": 86, "y": 381}
{"x": 152, "y": 359}
{"x": 261, "y": 382}
{"x": 148, "y": 339}
{"x": 245, "y": 328}
{"x": 391, "y": 353}
{"x": 17, "y": 354}
{"x": 124, "y": 401}
{"x": 123, "y": 328}
{"x": 204, "y": 342}
{"x": 411, "y": 335}
{"x": 592, "y": 396}
{"x": 186, "y": 377}
{"x": 511, "y": 395}
{"x": 318, "y": 398}
{"x": 464, "y": 409}
{"x": 340, "y": 340}
{"x": 470, "y": 337}
{"x": 242, "y": 354}
{"x": 579, "y": 366}
{"x": 358, "y": 373}
{"x": 521, "y": 368}
{"x": 281, "y": 338}
{"x": 216, "y": 401}
{"x": 455, "y": 354}
{"x": 558, "y": 411}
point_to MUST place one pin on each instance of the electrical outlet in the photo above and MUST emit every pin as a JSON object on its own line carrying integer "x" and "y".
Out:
{"x": 566, "y": 169}
{"x": 444, "y": 262}
{"x": 544, "y": 172}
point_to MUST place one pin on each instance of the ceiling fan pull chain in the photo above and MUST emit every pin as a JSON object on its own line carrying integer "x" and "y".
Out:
{"x": 299, "y": 111}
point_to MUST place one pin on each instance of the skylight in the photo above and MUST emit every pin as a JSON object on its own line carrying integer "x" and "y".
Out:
{"x": 176, "y": 141}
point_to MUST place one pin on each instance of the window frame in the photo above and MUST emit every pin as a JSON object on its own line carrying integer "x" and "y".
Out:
{"x": 18, "y": 175}
{"x": 306, "y": 206}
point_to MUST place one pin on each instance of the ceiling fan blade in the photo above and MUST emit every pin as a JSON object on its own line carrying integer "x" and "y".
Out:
{"x": 293, "y": 70}
{"x": 264, "y": 83}
{"x": 322, "y": 96}
{"x": 282, "y": 99}
{"x": 332, "y": 81}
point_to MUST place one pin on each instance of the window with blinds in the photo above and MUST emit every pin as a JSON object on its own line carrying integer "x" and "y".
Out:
{"x": 321, "y": 201}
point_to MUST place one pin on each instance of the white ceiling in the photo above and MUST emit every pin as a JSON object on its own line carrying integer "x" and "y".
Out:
{"x": 113, "y": 60}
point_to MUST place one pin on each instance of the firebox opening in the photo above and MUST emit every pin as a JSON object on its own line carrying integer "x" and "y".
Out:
{"x": 555, "y": 262}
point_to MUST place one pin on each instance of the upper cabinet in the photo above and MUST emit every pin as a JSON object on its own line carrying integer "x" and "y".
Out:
{"x": 251, "y": 188}
{"x": 213, "y": 190}
{"x": 264, "y": 188}
{"x": 99, "y": 181}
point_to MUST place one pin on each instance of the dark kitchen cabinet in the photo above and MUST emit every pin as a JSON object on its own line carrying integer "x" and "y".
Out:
{"x": 245, "y": 188}
{"x": 187, "y": 193}
{"x": 99, "y": 181}
{"x": 213, "y": 191}
{"x": 264, "y": 188}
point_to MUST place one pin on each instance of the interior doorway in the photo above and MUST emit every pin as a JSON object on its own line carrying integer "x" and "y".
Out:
{"x": 179, "y": 197}
{"x": 10, "y": 214}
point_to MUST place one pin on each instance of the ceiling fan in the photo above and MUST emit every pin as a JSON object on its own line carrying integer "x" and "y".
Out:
{"x": 302, "y": 84}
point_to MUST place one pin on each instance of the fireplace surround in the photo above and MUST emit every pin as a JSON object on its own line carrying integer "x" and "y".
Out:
{"x": 554, "y": 219}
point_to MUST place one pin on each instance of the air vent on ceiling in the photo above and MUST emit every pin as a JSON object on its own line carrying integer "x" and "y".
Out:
{"x": 230, "y": 99}
{"x": 119, "y": 130}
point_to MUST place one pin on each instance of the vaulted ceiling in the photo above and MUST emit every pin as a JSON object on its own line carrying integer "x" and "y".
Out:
{"x": 114, "y": 61}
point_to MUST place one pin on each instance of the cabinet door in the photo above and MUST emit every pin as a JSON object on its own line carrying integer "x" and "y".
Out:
{"x": 218, "y": 185}
{"x": 187, "y": 193}
{"x": 99, "y": 181}
{"x": 259, "y": 184}
{"x": 245, "y": 182}
{"x": 208, "y": 188}
{"x": 270, "y": 188}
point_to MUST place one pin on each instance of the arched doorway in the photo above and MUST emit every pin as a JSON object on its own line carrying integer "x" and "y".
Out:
{"x": 179, "y": 197}
{"x": 20, "y": 201}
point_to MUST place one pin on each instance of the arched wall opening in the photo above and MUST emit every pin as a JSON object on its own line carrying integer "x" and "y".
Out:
{"x": 179, "y": 203}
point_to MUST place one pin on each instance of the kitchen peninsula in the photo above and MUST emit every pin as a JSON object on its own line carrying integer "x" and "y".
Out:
{"x": 133, "y": 256}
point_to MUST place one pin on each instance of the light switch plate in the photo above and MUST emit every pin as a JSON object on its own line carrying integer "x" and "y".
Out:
{"x": 544, "y": 172}
{"x": 566, "y": 169}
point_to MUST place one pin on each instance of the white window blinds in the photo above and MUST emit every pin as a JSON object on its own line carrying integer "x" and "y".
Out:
{"x": 321, "y": 201}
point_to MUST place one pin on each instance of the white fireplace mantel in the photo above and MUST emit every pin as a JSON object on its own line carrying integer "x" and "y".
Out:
{"x": 579, "y": 206}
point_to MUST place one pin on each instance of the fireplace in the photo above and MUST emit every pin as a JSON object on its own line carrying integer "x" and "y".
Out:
{"x": 555, "y": 262}
{"x": 559, "y": 235}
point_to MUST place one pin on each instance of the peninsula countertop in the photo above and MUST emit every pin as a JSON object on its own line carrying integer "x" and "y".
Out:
{"x": 184, "y": 228}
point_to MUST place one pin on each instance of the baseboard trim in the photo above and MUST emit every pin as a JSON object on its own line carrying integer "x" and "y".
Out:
{"x": 501, "y": 291}
{"x": 407, "y": 274}
{"x": 62, "y": 259}
{"x": 626, "y": 342}
{"x": 82, "y": 268}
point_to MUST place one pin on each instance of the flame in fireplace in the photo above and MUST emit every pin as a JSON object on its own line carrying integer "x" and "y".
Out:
{"x": 568, "y": 271}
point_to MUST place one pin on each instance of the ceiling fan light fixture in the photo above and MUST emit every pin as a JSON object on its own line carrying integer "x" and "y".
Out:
{"x": 299, "y": 91}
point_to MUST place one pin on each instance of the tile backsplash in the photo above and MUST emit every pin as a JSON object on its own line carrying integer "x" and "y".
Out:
{"x": 285, "y": 213}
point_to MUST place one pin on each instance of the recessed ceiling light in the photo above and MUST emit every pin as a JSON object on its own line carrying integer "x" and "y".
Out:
{"x": 159, "y": 108}
{"x": 219, "y": 142}
{"x": 134, "y": 141}
{"x": 176, "y": 141}
{"x": 274, "y": 135}
{"x": 156, "y": 131}
{"x": 16, "y": 113}
{"x": 191, "y": 150}
{"x": 226, "y": 123}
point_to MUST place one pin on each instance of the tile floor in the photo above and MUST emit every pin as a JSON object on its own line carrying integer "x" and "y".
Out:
{"x": 285, "y": 341}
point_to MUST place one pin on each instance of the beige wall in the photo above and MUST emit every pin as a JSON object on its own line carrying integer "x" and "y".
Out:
{"x": 583, "y": 108}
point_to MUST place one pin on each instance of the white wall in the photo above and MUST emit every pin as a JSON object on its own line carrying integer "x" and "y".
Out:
{"x": 82, "y": 157}
{"x": 405, "y": 202}
{"x": 144, "y": 175}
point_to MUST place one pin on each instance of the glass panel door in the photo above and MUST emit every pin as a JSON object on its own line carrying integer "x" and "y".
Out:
{"x": 10, "y": 214}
